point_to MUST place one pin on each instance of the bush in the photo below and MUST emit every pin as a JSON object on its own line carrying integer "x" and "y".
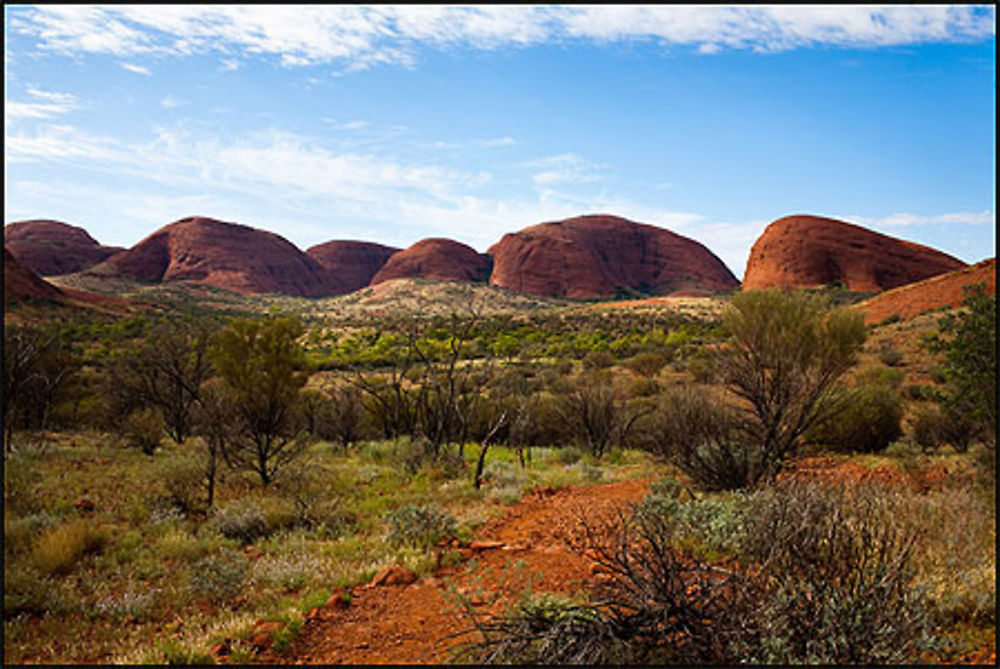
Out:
{"x": 421, "y": 527}
{"x": 935, "y": 427}
{"x": 890, "y": 356}
{"x": 243, "y": 521}
{"x": 60, "y": 548}
{"x": 598, "y": 360}
{"x": 219, "y": 578}
{"x": 699, "y": 435}
{"x": 185, "y": 479}
{"x": 867, "y": 422}
{"x": 839, "y": 567}
{"x": 144, "y": 429}
{"x": 832, "y": 584}
{"x": 646, "y": 364}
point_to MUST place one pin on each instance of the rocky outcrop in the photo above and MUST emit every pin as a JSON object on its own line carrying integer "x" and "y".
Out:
{"x": 225, "y": 255}
{"x": 601, "y": 256}
{"x": 20, "y": 283}
{"x": 943, "y": 290}
{"x": 436, "y": 258}
{"x": 348, "y": 265}
{"x": 52, "y": 248}
{"x": 812, "y": 251}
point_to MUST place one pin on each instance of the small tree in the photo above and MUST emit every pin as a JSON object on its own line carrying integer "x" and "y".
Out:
{"x": 166, "y": 371}
{"x": 592, "y": 414}
{"x": 968, "y": 339}
{"x": 785, "y": 355}
{"x": 262, "y": 369}
{"x": 37, "y": 365}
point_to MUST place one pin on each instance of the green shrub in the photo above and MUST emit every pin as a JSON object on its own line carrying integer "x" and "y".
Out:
{"x": 183, "y": 475}
{"x": 421, "y": 527}
{"x": 646, "y": 364}
{"x": 568, "y": 455}
{"x": 598, "y": 360}
{"x": 868, "y": 421}
{"x": 839, "y": 569}
{"x": 59, "y": 548}
{"x": 935, "y": 427}
{"x": 890, "y": 356}
{"x": 144, "y": 429}
{"x": 243, "y": 520}
{"x": 136, "y": 606}
{"x": 220, "y": 577}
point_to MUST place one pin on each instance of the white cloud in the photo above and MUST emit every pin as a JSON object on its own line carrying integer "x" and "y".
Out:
{"x": 567, "y": 168}
{"x": 46, "y": 105}
{"x": 984, "y": 217}
{"x": 138, "y": 69}
{"x": 171, "y": 101}
{"x": 357, "y": 37}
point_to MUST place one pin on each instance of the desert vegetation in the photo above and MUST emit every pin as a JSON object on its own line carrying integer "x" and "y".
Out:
{"x": 171, "y": 480}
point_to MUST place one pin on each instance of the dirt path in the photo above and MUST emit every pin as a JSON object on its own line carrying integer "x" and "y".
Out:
{"x": 412, "y": 623}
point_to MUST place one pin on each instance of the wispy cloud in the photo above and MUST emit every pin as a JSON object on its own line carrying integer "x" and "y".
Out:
{"x": 358, "y": 37}
{"x": 171, "y": 101}
{"x": 137, "y": 69}
{"x": 46, "y": 104}
{"x": 984, "y": 217}
{"x": 567, "y": 168}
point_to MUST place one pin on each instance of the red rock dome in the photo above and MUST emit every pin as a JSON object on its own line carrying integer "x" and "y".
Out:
{"x": 812, "y": 251}
{"x": 599, "y": 256}
{"x": 51, "y": 248}
{"x": 436, "y": 258}
{"x": 225, "y": 255}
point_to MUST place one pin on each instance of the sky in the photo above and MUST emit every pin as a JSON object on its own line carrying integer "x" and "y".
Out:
{"x": 393, "y": 124}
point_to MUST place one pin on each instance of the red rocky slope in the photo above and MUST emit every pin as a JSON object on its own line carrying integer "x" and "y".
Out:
{"x": 600, "y": 255}
{"x": 812, "y": 251}
{"x": 435, "y": 258}
{"x": 20, "y": 283}
{"x": 943, "y": 290}
{"x": 225, "y": 255}
{"x": 51, "y": 248}
{"x": 348, "y": 265}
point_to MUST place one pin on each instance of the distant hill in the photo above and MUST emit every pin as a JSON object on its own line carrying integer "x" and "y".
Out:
{"x": 53, "y": 248}
{"x": 436, "y": 258}
{"x": 225, "y": 255}
{"x": 20, "y": 283}
{"x": 603, "y": 256}
{"x": 349, "y": 265}
{"x": 812, "y": 251}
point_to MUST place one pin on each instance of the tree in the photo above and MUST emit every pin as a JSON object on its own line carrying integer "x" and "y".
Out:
{"x": 784, "y": 357}
{"x": 592, "y": 414}
{"x": 166, "y": 371}
{"x": 968, "y": 340}
{"x": 262, "y": 369}
{"x": 37, "y": 365}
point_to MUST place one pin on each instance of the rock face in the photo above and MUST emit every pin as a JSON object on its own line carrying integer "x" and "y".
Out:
{"x": 811, "y": 251}
{"x": 349, "y": 266}
{"x": 51, "y": 248}
{"x": 20, "y": 283}
{"x": 599, "y": 256}
{"x": 225, "y": 255}
{"x": 943, "y": 290}
{"x": 436, "y": 258}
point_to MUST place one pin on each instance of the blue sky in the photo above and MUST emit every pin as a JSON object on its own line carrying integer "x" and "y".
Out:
{"x": 393, "y": 124}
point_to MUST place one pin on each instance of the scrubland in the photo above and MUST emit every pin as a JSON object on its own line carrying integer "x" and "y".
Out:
{"x": 170, "y": 482}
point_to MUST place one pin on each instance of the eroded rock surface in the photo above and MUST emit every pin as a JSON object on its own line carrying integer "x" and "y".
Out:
{"x": 601, "y": 256}
{"x": 812, "y": 251}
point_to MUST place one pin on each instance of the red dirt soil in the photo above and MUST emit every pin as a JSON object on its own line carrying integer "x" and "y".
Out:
{"x": 416, "y": 623}
{"x": 944, "y": 290}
